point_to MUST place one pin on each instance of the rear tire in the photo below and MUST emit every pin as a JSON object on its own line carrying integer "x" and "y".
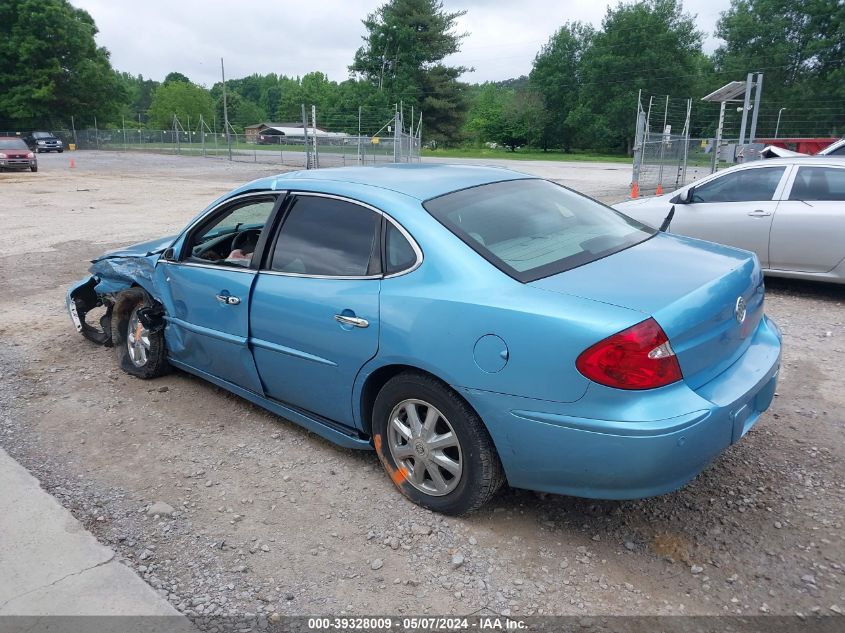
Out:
{"x": 140, "y": 353}
{"x": 434, "y": 447}
{"x": 33, "y": 168}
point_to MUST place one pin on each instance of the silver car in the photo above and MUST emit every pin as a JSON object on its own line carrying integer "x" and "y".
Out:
{"x": 790, "y": 211}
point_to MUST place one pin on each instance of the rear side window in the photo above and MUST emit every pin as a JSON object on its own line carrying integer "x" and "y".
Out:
{"x": 819, "y": 183}
{"x": 399, "y": 254}
{"x": 744, "y": 185}
{"x": 326, "y": 237}
{"x": 531, "y": 229}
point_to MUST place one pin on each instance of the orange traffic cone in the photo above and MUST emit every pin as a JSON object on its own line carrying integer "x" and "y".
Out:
{"x": 72, "y": 164}
{"x": 659, "y": 191}
{"x": 635, "y": 191}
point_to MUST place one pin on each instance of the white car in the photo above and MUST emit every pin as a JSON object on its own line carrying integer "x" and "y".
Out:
{"x": 790, "y": 211}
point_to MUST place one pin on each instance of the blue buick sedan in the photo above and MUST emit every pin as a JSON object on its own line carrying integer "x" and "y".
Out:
{"x": 474, "y": 326}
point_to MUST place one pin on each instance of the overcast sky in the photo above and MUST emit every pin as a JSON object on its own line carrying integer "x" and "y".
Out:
{"x": 290, "y": 38}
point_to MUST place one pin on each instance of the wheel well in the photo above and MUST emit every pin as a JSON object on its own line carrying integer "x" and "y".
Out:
{"x": 377, "y": 380}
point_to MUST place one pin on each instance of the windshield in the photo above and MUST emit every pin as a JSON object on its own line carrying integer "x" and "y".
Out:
{"x": 13, "y": 144}
{"x": 42, "y": 135}
{"x": 531, "y": 229}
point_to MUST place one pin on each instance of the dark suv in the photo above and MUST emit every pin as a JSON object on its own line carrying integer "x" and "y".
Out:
{"x": 44, "y": 142}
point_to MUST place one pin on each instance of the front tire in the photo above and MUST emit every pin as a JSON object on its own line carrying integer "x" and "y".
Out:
{"x": 139, "y": 351}
{"x": 433, "y": 446}
{"x": 33, "y": 168}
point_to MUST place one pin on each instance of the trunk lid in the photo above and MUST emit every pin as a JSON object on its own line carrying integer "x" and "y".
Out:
{"x": 689, "y": 286}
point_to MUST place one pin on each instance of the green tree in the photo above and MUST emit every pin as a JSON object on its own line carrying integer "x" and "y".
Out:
{"x": 799, "y": 46}
{"x": 175, "y": 76}
{"x": 556, "y": 77}
{"x": 242, "y": 111}
{"x": 511, "y": 117}
{"x": 139, "y": 96}
{"x": 182, "y": 99}
{"x": 50, "y": 66}
{"x": 651, "y": 45}
{"x": 402, "y": 57}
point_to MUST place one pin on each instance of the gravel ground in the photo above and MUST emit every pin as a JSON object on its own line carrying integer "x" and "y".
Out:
{"x": 226, "y": 509}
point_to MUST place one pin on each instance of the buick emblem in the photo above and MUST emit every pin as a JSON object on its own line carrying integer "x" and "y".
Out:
{"x": 740, "y": 310}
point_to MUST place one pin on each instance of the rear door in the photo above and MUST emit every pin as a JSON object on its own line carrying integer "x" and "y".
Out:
{"x": 735, "y": 209}
{"x": 808, "y": 232}
{"x": 314, "y": 315}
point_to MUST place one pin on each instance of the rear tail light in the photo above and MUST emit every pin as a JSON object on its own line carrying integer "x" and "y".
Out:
{"x": 637, "y": 358}
{"x": 2, "y": 155}
{"x": 30, "y": 155}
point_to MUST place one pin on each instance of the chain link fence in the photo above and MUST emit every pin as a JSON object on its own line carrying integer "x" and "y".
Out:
{"x": 393, "y": 140}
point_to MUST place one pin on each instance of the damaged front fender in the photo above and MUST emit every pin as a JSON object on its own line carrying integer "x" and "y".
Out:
{"x": 112, "y": 274}
{"x": 81, "y": 299}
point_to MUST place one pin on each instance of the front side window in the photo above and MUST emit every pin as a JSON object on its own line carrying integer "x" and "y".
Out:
{"x": 531, "y": 229}
{"x": 327, "y": 238}
{"x": 231, "y": 239}
{"x": 819, "y": 183}
{"x": 744, "y": 185}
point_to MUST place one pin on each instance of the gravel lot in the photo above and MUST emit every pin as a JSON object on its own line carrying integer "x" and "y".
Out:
{"x": 255, "y": 515}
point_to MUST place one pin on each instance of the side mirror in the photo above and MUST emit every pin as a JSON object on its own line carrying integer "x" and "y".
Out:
{"x": 683, "y": 197}
{"x": 168, "y": 255}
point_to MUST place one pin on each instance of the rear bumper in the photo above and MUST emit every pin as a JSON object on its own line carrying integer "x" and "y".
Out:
{"x": 613, "y": 444}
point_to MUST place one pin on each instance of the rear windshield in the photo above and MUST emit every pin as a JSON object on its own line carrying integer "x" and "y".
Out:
{"x": 531, "y": 229}
{"x": 13, "y": 144}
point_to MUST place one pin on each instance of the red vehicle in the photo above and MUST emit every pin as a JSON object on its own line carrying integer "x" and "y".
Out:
{"x": 14, "y": 154}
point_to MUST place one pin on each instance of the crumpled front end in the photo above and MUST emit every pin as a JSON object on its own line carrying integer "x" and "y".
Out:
{"x": 90, "y": 301}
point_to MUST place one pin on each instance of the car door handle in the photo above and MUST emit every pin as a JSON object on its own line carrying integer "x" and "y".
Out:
{"x": 350, "y": 320}
{"x": 759, "y": 213}
{"x": 229, "y": 300}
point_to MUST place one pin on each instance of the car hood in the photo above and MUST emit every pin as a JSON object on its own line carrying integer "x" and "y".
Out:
{"x": 641, "y": 203}
{"x": 651, "y": 211}
{"x": 141, "y": 249}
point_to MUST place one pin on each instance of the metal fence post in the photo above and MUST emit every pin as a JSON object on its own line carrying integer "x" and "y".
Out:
{"x": 639, "y": 140}
{"x": 305, "y": 135}
{"x": 395, "y": 135}
{"x": 314, "y": 126}
{"x": 758, "y": 88}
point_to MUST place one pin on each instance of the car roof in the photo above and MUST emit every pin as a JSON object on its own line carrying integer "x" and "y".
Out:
{"x": 422, "y": 181}
{"x": 797, "y": 160}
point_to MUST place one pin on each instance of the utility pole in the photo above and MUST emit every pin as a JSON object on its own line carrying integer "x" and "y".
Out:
{"x": 225, "y": 110}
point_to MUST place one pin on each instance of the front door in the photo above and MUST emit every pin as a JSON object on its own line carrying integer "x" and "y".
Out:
{"x": 314, "y": 315}
{"x": 207, "y": 292}
{"x": 734, "y": 209}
